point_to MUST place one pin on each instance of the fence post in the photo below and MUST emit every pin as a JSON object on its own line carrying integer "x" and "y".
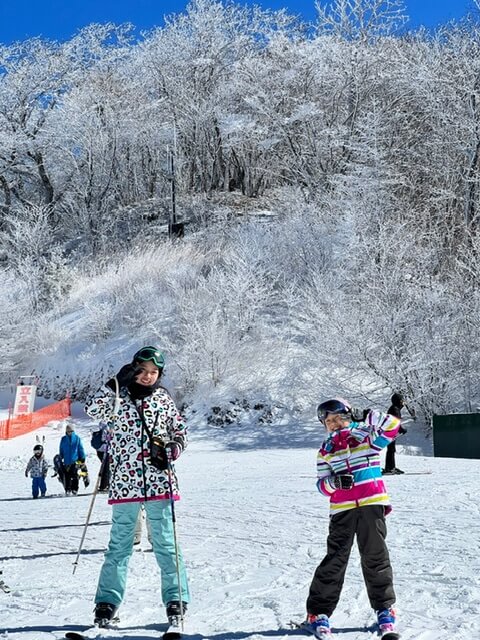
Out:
{"x": 10, "y": 411}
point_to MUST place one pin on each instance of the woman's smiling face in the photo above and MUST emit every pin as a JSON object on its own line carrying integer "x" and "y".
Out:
{"x": 147, "y": 373}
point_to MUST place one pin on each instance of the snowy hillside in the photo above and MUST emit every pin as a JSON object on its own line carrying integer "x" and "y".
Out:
{"x": 253, "y": 529}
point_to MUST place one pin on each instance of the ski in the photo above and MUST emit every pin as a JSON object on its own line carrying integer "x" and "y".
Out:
{"x": 174, "y": 630}
{"x": 407, "y": 473}
{"x": 296, "y": 625}
{"x": 303, "y": 626}
{"x": 417, "y": 473}
{"x": 75, "y": 635}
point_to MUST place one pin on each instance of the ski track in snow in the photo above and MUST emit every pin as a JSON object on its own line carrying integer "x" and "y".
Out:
{"x": 253, "y": 529}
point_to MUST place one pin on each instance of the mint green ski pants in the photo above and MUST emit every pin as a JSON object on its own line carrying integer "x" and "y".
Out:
{"x": 113, "y": 575}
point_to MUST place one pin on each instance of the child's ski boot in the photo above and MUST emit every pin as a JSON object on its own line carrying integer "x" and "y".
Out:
{"x": 318, "y": 625}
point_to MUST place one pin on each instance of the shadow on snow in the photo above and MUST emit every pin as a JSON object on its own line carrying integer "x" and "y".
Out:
{"x": 48, "y": 496}
{"x": 35, "y": 556}
{"x": 101, "y": 523}
{"x": 159, "y": 628}
{"x": 249, "y": 437}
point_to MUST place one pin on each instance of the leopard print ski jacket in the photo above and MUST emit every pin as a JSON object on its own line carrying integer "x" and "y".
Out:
{"x": 132, "y": 477}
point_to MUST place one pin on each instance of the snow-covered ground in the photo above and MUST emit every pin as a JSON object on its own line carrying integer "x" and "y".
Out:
{"x": 253, "y": 529}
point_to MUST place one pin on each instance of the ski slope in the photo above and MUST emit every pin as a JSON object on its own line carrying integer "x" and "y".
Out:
{"x": 253, "y": 528}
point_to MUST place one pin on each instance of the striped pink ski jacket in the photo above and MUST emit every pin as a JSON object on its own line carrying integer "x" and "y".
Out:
{"x": 356, "y": 450}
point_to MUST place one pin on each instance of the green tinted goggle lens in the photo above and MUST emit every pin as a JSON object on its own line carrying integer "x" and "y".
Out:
{"x": 151, "y": 354}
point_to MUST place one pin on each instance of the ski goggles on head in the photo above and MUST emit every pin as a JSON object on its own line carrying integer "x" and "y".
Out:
{"x": 336, "y": 406}
{"x": 150, "y": 353}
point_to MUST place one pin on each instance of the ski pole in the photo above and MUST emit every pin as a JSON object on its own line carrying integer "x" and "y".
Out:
{"x": 92, "y": 501}
{"x": 99, "y": 477}
{"x": 175, "y": 539}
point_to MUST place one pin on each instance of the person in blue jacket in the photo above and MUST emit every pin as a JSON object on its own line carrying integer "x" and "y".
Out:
{"x": 72, "y": 453}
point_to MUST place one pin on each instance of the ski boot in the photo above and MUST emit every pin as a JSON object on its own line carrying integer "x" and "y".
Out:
{"x": 386, "y": 621}
{"x": 174, "y": 615}
{"x": 104, "y": 614}
{"x": 175, "y": 620}
{"x": 173, "y": 608}
{"x": 318, "y": 625}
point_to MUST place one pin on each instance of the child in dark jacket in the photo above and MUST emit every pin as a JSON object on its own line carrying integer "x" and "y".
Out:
{"x": 395, "y": 410}
{"x": 38, "y": 468}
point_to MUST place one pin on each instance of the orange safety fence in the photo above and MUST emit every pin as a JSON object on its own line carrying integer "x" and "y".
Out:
{"x": 20, "y": 425}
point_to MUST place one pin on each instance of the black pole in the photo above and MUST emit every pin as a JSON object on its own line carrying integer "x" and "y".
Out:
{"x": 175, "y": 229}
{"x": 171, "y": 170}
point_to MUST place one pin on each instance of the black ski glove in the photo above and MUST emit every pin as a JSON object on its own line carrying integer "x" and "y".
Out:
{"x": 343, "y": 481}
{"x": 359, "y": 415}
{"x": 158, "y": 454}
{"x": 402, "y": 431}
{"x": 125, "y": 376}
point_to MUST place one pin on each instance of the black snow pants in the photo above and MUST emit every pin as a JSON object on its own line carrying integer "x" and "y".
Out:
{"x": 71, "y": 477}
{"x": 368, "y": 524}
{"x": 105, "y": 477}
{"x": 390, "y": 457}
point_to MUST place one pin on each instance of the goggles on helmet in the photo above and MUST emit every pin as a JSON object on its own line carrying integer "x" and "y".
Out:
{"x": 150, "y": 353}
{"x": 336, "y": 406}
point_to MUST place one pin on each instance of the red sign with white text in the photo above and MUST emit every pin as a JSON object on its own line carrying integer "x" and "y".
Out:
{"x": 24, "y": 399}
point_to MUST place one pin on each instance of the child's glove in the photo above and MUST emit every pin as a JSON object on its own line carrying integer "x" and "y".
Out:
{"x": 342, "y": 481}
{"x": 173, "y": 450}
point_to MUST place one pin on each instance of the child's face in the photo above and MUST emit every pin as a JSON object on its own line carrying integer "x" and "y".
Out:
{"x": 147, "y": 373}
{"x": 335, "y": 421}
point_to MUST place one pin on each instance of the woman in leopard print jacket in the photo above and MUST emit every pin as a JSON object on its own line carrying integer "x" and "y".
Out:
{"x": 143, "y": 410}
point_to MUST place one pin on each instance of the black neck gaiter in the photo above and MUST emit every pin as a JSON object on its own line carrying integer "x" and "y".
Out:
{"x": 139, "y": 391}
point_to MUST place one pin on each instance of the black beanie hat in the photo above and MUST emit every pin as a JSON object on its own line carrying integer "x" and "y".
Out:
{"x": 397, "y": 399}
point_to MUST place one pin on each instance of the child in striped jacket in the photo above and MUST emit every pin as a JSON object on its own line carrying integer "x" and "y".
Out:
{"x": 349, "y": 473}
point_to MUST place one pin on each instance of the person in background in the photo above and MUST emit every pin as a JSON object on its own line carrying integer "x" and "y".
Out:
{"x": 349, "y": 474}
{"x": 398, "y": 403}
{"x": 147, "y": 435}
{"x": 72, "y": 453}
{"x": 100, "y": 442}
{"x": 139, "y": 526}
{"x": 38, "y": 468}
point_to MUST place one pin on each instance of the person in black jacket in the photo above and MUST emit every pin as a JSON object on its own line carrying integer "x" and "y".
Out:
{"x": 398, "y": 403}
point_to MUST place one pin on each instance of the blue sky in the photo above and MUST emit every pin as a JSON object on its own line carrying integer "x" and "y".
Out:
{"x": 60, "y": 19}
